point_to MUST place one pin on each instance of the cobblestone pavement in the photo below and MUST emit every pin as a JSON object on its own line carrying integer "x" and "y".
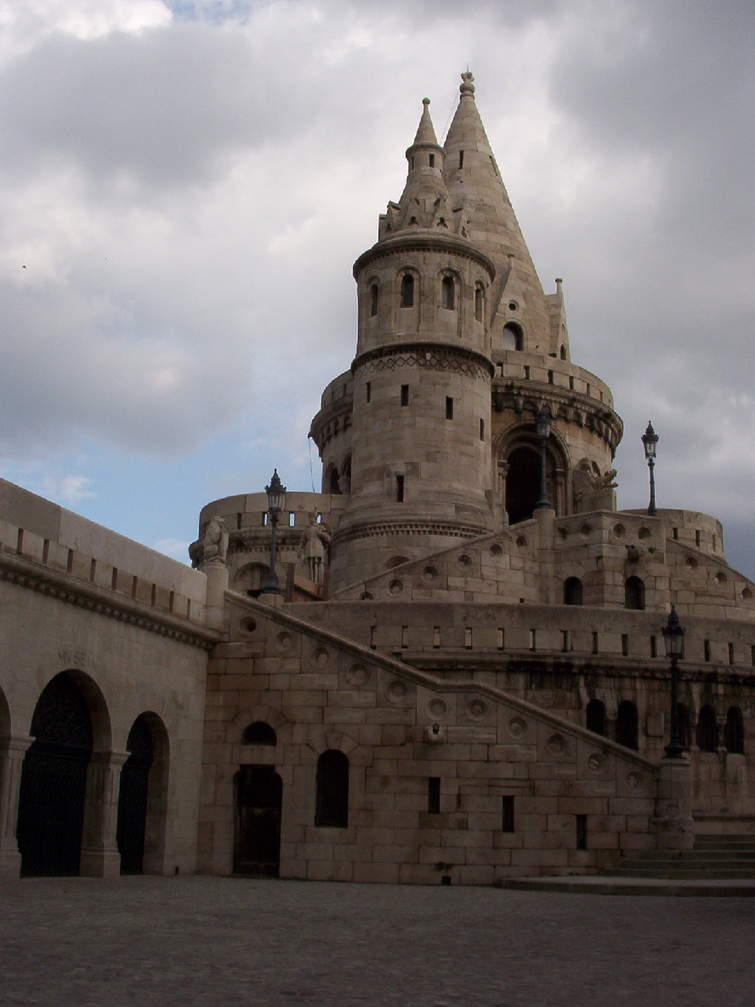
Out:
{"x": 212, "y": 941}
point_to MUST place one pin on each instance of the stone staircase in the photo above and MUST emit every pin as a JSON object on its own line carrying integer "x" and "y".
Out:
{"x": 712, "y": 858}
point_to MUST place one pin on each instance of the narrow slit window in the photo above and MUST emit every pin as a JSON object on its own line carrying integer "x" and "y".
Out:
{"x": 565, "y": 640}
{"x": 436, "y": 636}
{"x": 533, "y": 639}
{"x": 698, "y": 538}
{"x": 405, "y": 395}
{"x": 404, "y": 637}
{"x": 706, "y": 650}
{"x": 449, "y": 408}
{"x": 482, "y": 430}
{"x": 550, "y": 377}
{"x": 374, "y": 299}
{"x": 433, "y": 795}
{"x": 468, "y": 637}
{"x": 624, "y": 644}
{"x": 507, "y": 813}
{"x": 653, "y": 647}
{"x": 731, "y": 653}
{"x": 581, "y": 832}
{"x": 526, "y": 372}
{"x": 263, "y": 518}
{"x": 461, "y": 158}
{"x": 432, "y": 160}
{"x": 501, "y": 638}
{"x": 675, "y": 533}
{"x": 368, "y": 392}
{"x": 114, "y": 578}
{"x": 373, "y": 637}
{"x": 400, "y": 489}
{"x": 595, "y": 643}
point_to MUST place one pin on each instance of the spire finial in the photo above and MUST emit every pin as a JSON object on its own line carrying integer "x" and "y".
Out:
{"x": 425, "y": 102}
{"x": 467, "y": 87}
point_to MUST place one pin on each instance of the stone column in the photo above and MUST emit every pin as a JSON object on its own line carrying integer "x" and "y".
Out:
{"x": 12, "y": 752}
{"x": 217, "y": 584}
{"x": 99, "y": 847}
{"x": 675, "y": 828}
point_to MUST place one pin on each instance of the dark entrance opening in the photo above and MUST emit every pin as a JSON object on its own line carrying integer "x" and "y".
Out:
{"x": 259, "y": 791}
{"x": 522, "y": 484}
{"x": 53, "y": 781}
{"x": 133, "y": 797}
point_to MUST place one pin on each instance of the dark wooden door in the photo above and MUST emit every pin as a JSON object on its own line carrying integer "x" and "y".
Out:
{"x": 259, "y": 791}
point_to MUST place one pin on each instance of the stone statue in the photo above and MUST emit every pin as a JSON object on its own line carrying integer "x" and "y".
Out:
{"x": 215, "y": 541}
{"x": 314, "y": 548}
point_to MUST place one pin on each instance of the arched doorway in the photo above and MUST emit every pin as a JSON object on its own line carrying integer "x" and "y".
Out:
{"x": 142, "y": 797}
{"x": 53, "y": 781}
{"x": 256, "y": 849}
{"x": 522, "y": 484}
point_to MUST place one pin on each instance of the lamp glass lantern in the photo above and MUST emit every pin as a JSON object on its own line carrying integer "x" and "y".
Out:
{"x": 673, "y": 636}
{"x": 276, "y": 494}
{"x": 649, "y": 440}
{"x": 543, "y": 423}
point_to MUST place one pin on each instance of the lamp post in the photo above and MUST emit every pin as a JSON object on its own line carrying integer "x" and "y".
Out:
{"x": 276, "y": 498}
{"x": 543, "y": 427}
{"x": 649, "y": 441}
{"x": 673, "y": 637}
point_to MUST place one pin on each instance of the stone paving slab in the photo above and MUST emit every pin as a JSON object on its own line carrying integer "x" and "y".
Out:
{"x": 223, "y": 941}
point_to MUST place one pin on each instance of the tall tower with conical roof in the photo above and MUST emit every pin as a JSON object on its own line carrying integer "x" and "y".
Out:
{"x": 433, "y": 432}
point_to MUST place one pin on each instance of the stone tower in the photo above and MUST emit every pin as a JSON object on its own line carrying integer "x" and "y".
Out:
{"x": 432, "y": 433}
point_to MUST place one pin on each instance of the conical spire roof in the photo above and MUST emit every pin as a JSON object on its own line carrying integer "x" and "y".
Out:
{"x": 424, "y": 201}
{"x": 477, "y": 193}
{"x": 425, "y": 130}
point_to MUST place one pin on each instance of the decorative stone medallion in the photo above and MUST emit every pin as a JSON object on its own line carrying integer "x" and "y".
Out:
{"x": 357, "y": 675}
{"x": 476, "y": 709}
{"x": 395, "y": 587}
{"x": 633, "y": 780}
{"x": 556, "y": 744}
{"x": 321, "y": 656}
{"x": 437, "y": 707}
{"x": 517, "y": 727}
{"x": 595, "y": 761}
{"x": 396, "y": 692}
{"x": 285, "y": 641}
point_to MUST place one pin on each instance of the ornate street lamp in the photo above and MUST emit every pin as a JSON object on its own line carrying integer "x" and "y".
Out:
{"x": 673, "y": 637}
{"x": 276, "y": 500}
{"x": 543, "y": 428}
{"x": 649, "y": 441}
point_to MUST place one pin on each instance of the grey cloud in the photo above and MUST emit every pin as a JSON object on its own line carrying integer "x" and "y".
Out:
{"x": 161, "y": 106}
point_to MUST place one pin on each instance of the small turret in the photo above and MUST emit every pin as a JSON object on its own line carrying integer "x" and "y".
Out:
{"x": 424, "y": 201}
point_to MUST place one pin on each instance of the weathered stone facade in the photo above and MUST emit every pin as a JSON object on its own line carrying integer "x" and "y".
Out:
{"x": 461, "y": 678}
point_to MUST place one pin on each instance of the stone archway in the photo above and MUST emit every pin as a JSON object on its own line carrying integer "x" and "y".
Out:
{"x": 520, "y": 464}
{"x": 54, "y": 781}
{"x": 142, "y": 798}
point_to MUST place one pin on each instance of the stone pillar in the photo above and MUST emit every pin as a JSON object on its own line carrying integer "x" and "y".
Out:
{"x": 12, "y": 752}
{"x": 675, "y": 828}
{"x": 217, "y": 584}
{"x": 99, "y": 848}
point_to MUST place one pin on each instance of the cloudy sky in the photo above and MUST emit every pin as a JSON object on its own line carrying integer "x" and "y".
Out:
{"x": 185, "y": 185}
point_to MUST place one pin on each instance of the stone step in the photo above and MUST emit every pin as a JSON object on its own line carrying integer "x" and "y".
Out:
{"x": 645, "y": 871}
{"x": 600, "y": 885}
{"x": 725, "y": 842}
{"x": 693, "y": 856}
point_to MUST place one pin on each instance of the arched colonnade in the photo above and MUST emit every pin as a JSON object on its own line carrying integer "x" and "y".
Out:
{"x": 72, "y": 801}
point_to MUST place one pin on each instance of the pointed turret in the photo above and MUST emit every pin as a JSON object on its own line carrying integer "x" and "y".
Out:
{"x": 478, "y": 195}
{"x": 424, "y": 201}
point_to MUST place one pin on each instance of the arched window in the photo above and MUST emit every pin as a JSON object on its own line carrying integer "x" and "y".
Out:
{"x": 735, "y": 735}
{"x": 374, "y": 299}
{"x": 572, "y": 591}
{"x": 682, "y": 715}
{"x": 407, "y": 290}
{"x": 332, "y": 798}
{"x": 513, "y": 338}
{"x": 258, "y": 733}
{"x": 523, "y": 482}
{"x": 626, "y": 724}
{"x": 334, "y": 483}
{"x": 447, "y": 293}
{"x": 595, "y": 717}
{"x": 346, "y": 475}
{"x": 634, "y": 593}
{"x": 707, "y": 730}
{"x": 562, "y": 352}
{"x": 478, "y": 302}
